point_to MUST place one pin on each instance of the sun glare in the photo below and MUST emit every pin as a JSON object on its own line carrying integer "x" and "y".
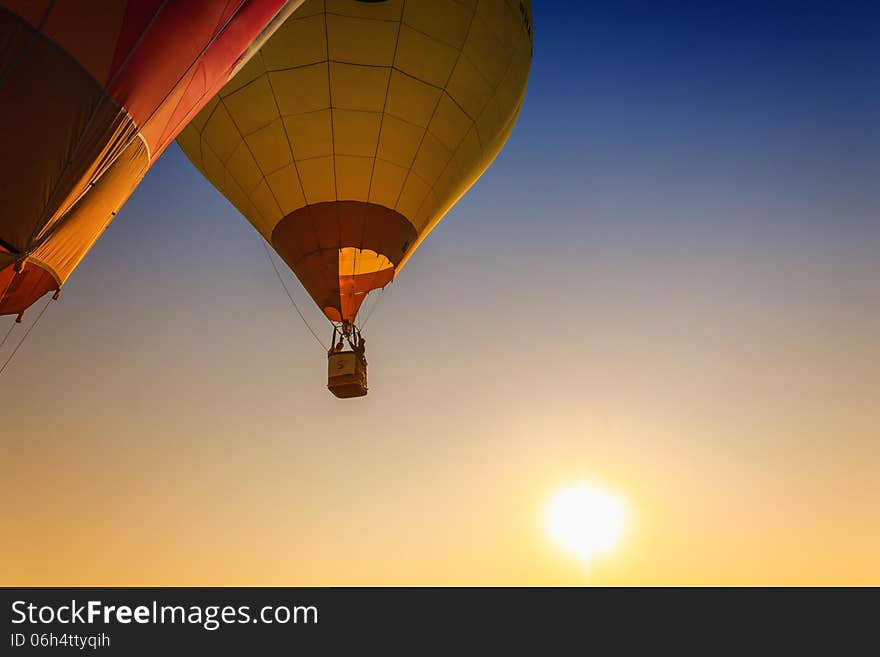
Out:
{"x": 585, "y": 520}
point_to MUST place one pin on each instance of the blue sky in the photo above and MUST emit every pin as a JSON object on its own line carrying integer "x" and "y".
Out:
{"x": 666, "y": 283}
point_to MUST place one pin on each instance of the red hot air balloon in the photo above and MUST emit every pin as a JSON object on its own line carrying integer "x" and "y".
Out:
{"x": 91, "y": 93}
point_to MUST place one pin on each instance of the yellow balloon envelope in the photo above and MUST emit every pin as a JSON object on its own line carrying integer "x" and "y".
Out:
{"x": 358, "y": 125}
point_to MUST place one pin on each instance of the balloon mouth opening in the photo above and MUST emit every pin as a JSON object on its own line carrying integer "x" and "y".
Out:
{"x": 21, "y": 289}
{"x": 360, "y": 272}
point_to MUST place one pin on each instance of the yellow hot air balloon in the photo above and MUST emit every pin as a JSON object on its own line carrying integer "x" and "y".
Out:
{"x": 358, "y": 125}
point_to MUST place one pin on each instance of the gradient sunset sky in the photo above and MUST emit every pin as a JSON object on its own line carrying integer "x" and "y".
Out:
{"x": 667, "y": 285}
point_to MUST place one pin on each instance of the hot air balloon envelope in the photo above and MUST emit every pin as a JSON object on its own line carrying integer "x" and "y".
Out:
{"x": 358, "y": 126}
{"x": 91, "y": 93}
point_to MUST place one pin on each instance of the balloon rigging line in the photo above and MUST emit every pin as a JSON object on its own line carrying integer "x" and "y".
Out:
{"x": 374, "y": 306}
{"x": 24, "y": 337}
{"x": 290, "y": 296}
{"x": 8, "y": 285}
{"x": 3, "y": 296}
{"x": 6, "y": 337}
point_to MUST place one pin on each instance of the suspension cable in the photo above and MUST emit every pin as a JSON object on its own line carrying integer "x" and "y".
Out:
{"x": 289, "y": 295}
{"x": 374, "y": 306}
{"x": 24, "y": 337}
{"x": 8, "y": 285}
{"x": 3, "y": 296}
{"x": 8, "y": 333}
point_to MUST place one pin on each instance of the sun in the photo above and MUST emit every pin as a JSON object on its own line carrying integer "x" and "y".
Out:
{"x": 585, "y": 520}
